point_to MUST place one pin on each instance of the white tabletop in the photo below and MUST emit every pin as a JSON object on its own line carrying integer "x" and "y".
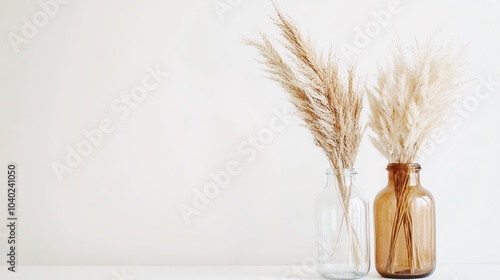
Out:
{"x": 443, "y": 272}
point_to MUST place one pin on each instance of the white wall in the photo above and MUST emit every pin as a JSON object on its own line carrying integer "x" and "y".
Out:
{"x": 120, "y": 205}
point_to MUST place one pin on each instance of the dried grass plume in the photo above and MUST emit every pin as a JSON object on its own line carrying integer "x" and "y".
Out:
{"x": 329, "y": 105}
{"x": 412, "y": 96}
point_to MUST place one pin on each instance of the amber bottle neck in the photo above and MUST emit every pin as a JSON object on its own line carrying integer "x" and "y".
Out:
{"x": 399, "y": 173}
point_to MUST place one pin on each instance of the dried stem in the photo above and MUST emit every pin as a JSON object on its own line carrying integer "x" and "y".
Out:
{"x": 412, "y": 97}
{"x": 329, "y": 106}
{"x": 410, "y": 100}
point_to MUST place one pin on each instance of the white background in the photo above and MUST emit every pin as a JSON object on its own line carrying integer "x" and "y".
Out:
{"x": 120, "y": 206}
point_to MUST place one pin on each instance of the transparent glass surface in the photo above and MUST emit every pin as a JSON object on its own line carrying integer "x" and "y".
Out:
{"x": 342, "y": 228}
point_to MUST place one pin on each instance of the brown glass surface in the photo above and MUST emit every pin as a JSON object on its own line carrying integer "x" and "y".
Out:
{"x": 404, "y": 217}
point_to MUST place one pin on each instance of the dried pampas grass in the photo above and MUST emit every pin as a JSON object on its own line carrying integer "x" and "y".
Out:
{"x": 411, "y": 98}
{"x": 329, "y": 106}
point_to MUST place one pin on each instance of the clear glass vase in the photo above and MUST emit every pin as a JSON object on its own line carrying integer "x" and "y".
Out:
{"x": 404, "y": 217}
{"x": 342, "y": 228}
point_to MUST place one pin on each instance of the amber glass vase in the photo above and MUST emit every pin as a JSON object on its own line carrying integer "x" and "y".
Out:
{"x": 404, "y": 217}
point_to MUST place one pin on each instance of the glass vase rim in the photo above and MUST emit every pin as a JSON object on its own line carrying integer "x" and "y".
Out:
{"x": 345, "y": 171}
{"x": 412, "y": 166}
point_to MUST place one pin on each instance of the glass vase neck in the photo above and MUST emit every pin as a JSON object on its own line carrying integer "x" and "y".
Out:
{"x": 396, "y": 166}
{"x": 343, "y": 176}
{"x": 344, "y": 172}
{"x": 403, "y": 174}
